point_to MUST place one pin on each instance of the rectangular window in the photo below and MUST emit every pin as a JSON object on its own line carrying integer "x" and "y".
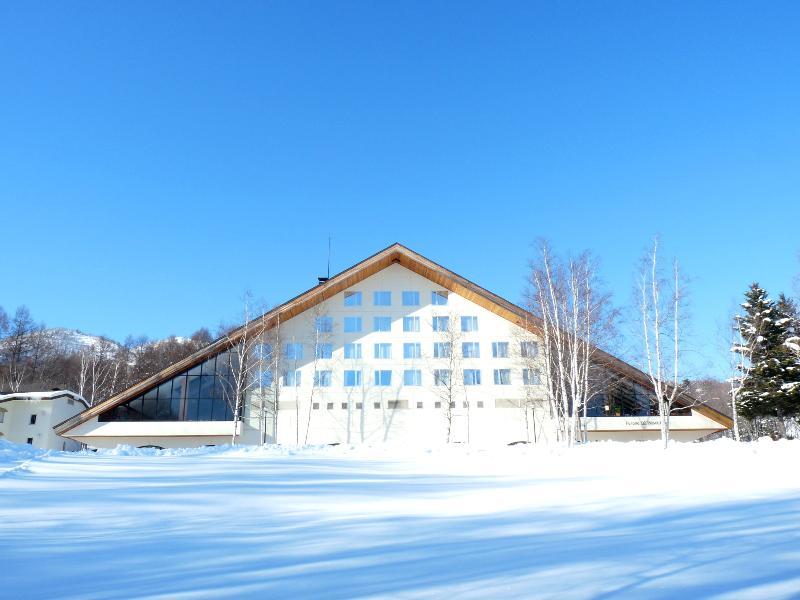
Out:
{"x": 294, "y": 351}
{"x": 382, "y": 324}
{"x": 502, "y": 376}
{"x": 382, "y": 298}
{"x": 471, "y": 350}
{"x": 383, "y": 351}
{"x": 441, "y": 377}
{"x": 323, "y": 351}
{"x": 291, "y": 379}
{"x": 352, "y": 378}
{"x": 529, "y": 349}
{"x": 531, "y": 377}
{"x": 383, "y": 378}
{"x": 33, "y": 419}
{"x": 410, "y": 298}
{"x": 441, "y": 323}
{"x": 499, "y": 349}
{"x": 322, "y": 378}
{"x": 352, "y": 324}
{"x": 441, "y": 350}
{"x": 352, "y": 351}
{"x": 30, "y": 441}
{"x": 263, "y": 351}
{"x": 439, "y": 298}
{"x": 472, "y": 377}
{"x": 469, "y": 323}
{"x": 412, "y": 377}
{"x": 265, "y": 379}
{"x": 410, "y": 324}
{"x": 412, "y": 351}
{"x": 352, "y": 298}
{"x": 323, "y": 324}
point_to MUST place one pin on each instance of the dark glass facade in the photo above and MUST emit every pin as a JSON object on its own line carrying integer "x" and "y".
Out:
{"x": 623, "y": 398}
{"x": 203, "y": 393}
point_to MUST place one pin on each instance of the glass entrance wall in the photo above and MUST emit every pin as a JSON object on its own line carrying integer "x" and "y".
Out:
{"x": 203, "y": 393}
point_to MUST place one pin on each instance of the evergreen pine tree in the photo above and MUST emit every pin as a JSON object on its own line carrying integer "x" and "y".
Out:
{"x": 771, "y": 388}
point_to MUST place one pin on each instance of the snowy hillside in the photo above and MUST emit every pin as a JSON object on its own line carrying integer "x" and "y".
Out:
{"x": 714, "y": 520}
{"x": 73, "y": 340}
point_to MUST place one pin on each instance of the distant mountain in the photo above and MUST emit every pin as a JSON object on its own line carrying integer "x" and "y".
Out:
{"x": 74, "y": 340}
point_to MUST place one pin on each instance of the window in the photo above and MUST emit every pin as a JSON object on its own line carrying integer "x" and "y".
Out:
{"x": 480, "y": 403}
{"x": 323, "y": 350}
{"x": 502, "y": 376}
{"x": 410, "y": 298}
{"x": 265, "y": 377}
{"x": 329, "y": 406}
{"x": 469, "y": 323}
{"x": 359, "y": 405}
{"x": 294, "y": 351}
{"x": 376, "y": 405}
{"x": 441, "y": 350}
{"x": 437, "y": 405}
{"x": 472, "y": 377}
{"x": 352, "y": 324}
{"x": 528, "y": 349}
{"x": 412, "y": 351}
{"x": 70, "y": 401}
{"x": 441, "y": 377}
{"x": 382, "y": 324}
{"x": 30, "y": 441}
{"x": 499, "y": 349}
{"x": 352, "y": 298}
{"x": 352, "y": 351}
{"x": 352, "y": 378}
{"x": 315, "y": 405}
{"x": 383, "y": 378}
{"x": 412, "y": 377}
{"x": 419, "y": 405}
{"x": 439, "y": 298}
{"x": 531, "y": 377}
{"x": 344, "y": 405}
{"x": 322, "y": 378}
{"x": 410, "y": 324}
{"x": 382, "y": 298}
{"x": 471, "y": 350}
{"x": 263, "y": 351}
{"x": 33, "y": 419}
{"x": 291, "y": 379}
{"x": 323, "y": 324}
{"x": 441, "y": 323}
{"x": 383, "y": 351}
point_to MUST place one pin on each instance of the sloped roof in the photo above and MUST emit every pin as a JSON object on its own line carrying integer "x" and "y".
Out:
{"x": 394, "y": 254}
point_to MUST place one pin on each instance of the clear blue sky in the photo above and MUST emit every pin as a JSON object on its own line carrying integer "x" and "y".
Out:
{"x": 157, "y": 159}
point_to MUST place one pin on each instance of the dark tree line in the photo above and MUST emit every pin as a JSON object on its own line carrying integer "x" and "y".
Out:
{"x": 33, "y": 357}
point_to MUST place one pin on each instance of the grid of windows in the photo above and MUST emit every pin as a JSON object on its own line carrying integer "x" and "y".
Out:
{"x": 410, "y": 324}
{"x": 323, "y": 350}
{"x": 412, "y": 377}
{"x": 471, "y": 350}
{"x": 441, "y": 350}
{"x": 502, "y": 376}
{"x": 352, "y": 324}
{"x": 531, "y": 377}
{"x": 440, "y": 323}
{"x": 383, "y": 378}
{"x": 381, "y": 323}
{"x": 469, "y": 323}
{"x": 410, "y": 298}
{"x": 352, "y": 298}
{"x": 352, "y": 378}
{"x": 439, "y": 298}
{"x": 499, "y": 349}
{"x": 382, "y": 298}
{"x": 472, "y": 377}
{"x": 383, "y": 350}
{"x": 323, "y": 378}
{"x": 352, "y": 351}
{"x": 412, "y": 350}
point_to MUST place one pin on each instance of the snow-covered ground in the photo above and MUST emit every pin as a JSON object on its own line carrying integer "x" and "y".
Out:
{"x": 607, "y": 520}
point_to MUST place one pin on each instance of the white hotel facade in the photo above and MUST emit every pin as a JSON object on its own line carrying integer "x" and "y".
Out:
{"x": 393, "y": 349}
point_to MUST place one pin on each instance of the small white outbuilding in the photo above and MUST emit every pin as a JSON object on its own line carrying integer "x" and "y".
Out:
{"x": 29, "y": 417}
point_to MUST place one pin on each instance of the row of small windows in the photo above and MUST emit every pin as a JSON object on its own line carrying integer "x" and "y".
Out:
{"x": 407, "y": 298}
{"x": 394, "y": 405}
{"x": 411, "y": 377}
{"x": 294, "y": 350}
{"x": 410, "y": 324}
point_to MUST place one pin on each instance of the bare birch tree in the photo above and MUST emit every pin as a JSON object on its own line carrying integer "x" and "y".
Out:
{"x": 445, "y": 367}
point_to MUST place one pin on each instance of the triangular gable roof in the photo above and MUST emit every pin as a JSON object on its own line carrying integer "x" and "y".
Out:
{"x": 394, "y": 254}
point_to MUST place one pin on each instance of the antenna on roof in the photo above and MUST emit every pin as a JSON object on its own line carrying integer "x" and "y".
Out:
{"x": 328, "y": 276}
